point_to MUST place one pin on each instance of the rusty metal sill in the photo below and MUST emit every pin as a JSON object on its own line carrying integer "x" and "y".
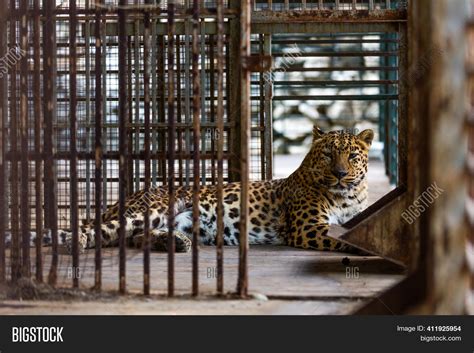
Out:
{"x": 332, "y": 16}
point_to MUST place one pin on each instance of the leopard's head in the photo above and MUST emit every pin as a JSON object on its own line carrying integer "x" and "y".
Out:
{"x": 339, "y": 159}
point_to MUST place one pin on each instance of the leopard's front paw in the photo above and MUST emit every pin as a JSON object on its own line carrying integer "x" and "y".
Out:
{"x": 68, "y": 243}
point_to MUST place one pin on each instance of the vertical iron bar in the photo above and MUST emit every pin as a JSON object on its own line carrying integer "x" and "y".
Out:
{"x": 98, "y": 30}
{"x": 87, "y": 36}
{"x": 242, "y": 286}
{"x": 123, "y": 116}
{"x": 220, "y": 148}
{"x": 24, "y": 206}
{"x": 321, "y": 5}
{"x": 146, "y": 83}
{"x": 178, "y": 107}
{"x": 196, "y": 143}
{"x": 3, "y": 136}
{"x": 212, "y": 115}
{"x": 203, "y": 95}
{"x": 171, "y": 146}
{"x": 14, "y": 209}
{"x": 73, "y": 138}
{"x": 49, "y": 113}
{"x": 154, "y": 83}
{"x": 261, "y": 111}
{"x": 162, "y": 109}
{"x": 287, "y": 5}
{"x": 38, "y": 145}
{"x": 187, "y": 99}
{"x": 88, "y": 112}
{"x": 136, "y": 62}
{"x": 268, "y": 133}
{"x": 131, "y": 111}
{"x": 104, "y": 116}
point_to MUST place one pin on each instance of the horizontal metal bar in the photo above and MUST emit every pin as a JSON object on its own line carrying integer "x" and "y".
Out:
{"x": 332, "y": 68}
{"x": 335, "y": 97}
{"x": 336, "y": 54}
{"x": 329, "y": 41}
{"x": 354, "y": 83}
{"x": 326, "y": 15}
{"x": 318, "y": 28}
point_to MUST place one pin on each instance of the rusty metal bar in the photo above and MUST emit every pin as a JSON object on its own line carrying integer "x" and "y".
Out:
{"x": 212, "y": 115}
{"x": 38, "y": 126}
{"x": 14, "y": 208}
{"x": 136, "y": 101}
{"x": 196, "y": 144}
{"x": 3, "y": 145}
{"x": 245, "y": 111}
{"x": 321, "y": 5}
{"x": 187, "y": 98}
{"x": 220, "y": 148}
{"x": 87, "y": 52}
{"x": 179, "y": 103}
{"x": 204, "y": 116}
{"x": 132, "y": 147}
{"x": 154, "y": 84}
{"x": 99, "y": 115}
{"x": 162, "y": 105}
{"x": 268, "y": 131}
{"x": 24, "y": 193}
{"x": 261, "y": 111}
{"x": 73, "y": 139}
{"x": 123, "y": 116}
{"x": 146, "y": 83}
{"x": 49, "y": 113}
{"x": 171, "y": 146}
{"x": 104, "y": 115}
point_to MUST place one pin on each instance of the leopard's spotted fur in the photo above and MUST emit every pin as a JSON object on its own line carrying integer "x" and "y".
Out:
{"x": 330, "y": 186}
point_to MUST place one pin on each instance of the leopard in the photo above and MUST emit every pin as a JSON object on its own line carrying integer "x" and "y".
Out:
{"x": 329, "y": 187}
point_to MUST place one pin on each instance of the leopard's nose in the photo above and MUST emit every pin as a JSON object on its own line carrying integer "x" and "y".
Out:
{"x": 339, "y": 173}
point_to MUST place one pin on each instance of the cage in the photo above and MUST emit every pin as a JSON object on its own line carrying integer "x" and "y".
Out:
{"x": 104, "y": 98}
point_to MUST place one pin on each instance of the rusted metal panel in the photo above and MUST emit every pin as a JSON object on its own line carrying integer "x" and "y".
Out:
{"x": 379, "y": 229}
{"x": 196, "y": 145}
{"x": 332, "y": 16}
{"x": 439, "y": 280}
{"x": 245, "y": 111}
{"x": 171, "y": 147}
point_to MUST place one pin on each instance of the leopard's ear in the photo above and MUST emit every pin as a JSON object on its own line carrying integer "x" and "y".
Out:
{"x": 366, "y": 136}
{"x": 317, "y": 133}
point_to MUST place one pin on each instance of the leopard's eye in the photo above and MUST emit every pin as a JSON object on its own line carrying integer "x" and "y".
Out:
{"x": 353, "y": 155}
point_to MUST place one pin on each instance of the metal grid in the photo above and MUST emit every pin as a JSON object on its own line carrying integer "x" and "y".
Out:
{"x": 115, "y": 110}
